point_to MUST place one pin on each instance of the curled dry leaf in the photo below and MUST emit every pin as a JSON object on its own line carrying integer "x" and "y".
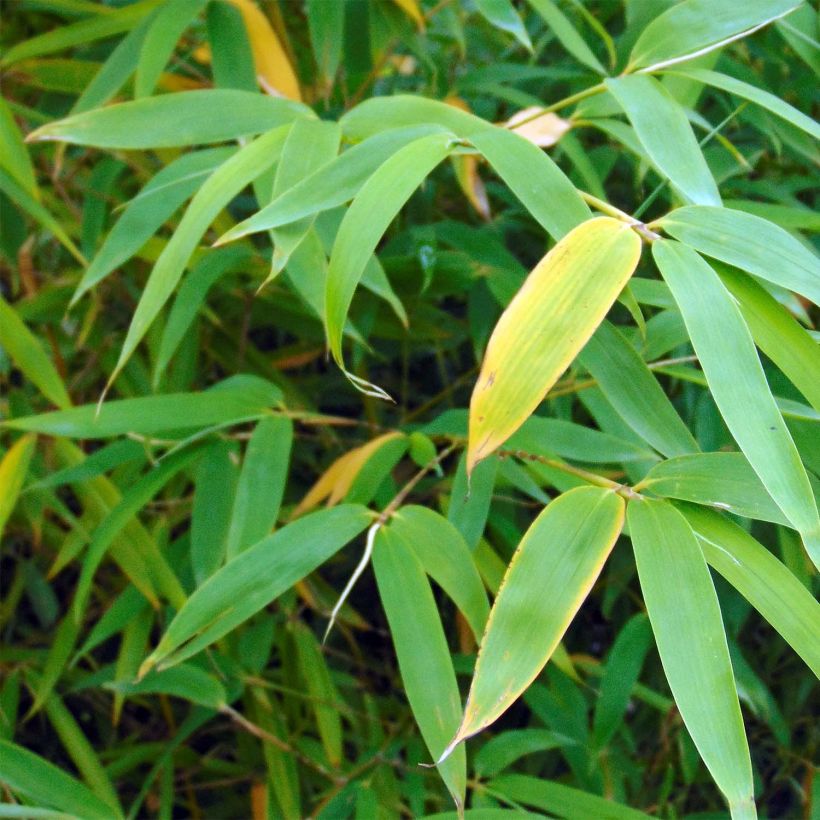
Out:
{"x": 549, "y": 320}
{"x": 543, "y": 130}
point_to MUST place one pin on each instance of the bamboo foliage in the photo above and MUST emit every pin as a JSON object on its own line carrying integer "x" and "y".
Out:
{"x": 493, "y": 482}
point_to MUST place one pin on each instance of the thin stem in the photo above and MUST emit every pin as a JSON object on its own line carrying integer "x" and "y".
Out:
{"x": 557, "y": 106}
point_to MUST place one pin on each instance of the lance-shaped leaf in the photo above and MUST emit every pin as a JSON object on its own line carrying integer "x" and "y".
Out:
{"x": 14, "y": 157}
{"x": 254, "y": 578}
{"x": 421, "y": 647}
{"x": 777, "y": 333}
{"x": 220, "y": 188}
{"x": 738, "y": 384}
{"x": 331, "y": 185}
{"x": 27, "y": 353}
{"x": 684, "y": 612}
{"x": 748, "y": 242}
{"x": 664, "y": 131}
{"x": 634, "y": 392}
{"x": 502, "y": 14}
{"x": 444, "y": 554}
{"x": 548, "y": 578}
{"x": 145, "y": 214}
{"x": 567, "y": 34}
{"x": 548, "y": 321}
{"x": 169, "y": 120}
{"x": 13, "y": 470}
{"x": 377, "y": 203}
{"x": 697, "y": 26}
{"x": 754, "y": 94}
{"x": 763, "y": 581}
{"x": 239, "y": 398}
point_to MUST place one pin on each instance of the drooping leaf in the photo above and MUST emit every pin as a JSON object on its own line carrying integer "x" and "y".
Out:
{"x": 738, "y": 384}
{"x": 502, "y": 15}
{"x": 550, "y": 319}
{"x": 14, "y": 157}
{"x": 375, "y": 206}
{"x": 684, "y": 612}
{"x": 567, "y": 34}
{"x": 549, "y": 576}
{"x": 763, "y": 580}
{"x": 664, "y": 131}
{"x": 749, "y": 243}
{"x": 421, "y": 647}
{"x": 634, "y": 391}
{"x": 446, "y": 559}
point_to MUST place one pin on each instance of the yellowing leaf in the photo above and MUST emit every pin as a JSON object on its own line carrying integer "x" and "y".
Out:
{"x": 335, "y": 482}
{"x": 13, "y": 469}
{"x": 549, "y": 320}
{"x": 544, "y": 130}
{"x": 273, "y": 68}
{"x": 412, "y": 9}
{"x": 466, "y": 168}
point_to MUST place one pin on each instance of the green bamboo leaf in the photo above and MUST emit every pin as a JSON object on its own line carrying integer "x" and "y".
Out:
{"x": 185, "y": 681}
{"x": 221, "y": 187}
{"x": 133, "y": 500}
{"x": 749, "y": 243}
{"x": 777, "y": 333}
{"x": 310, "y": 146}
{"x": 664, "y": 131}
{"x": 322, "y": 691}
{"x": 763, "y": 580}
{"x": 83, "y": 31}
{"x": 231, "y": 54}
{"x": 634, "y": 392}
{"x": 131, "y": 652}
{"x": 504, "y": 749}
{"x": 255, "y": 578}
{"x": 22, "y": 198}
{"x": 216, "y": 480}
{"x": 684, "y": 612}
{"x": 567, "y": 34}
{"x": 331, "y": 185}
{"x": 30, "y": 776}
{"x": 325, "y": 22}
{"x": 13, "y": 470}
{"x": 82, "y": 752}
{"x": 422, "y": 651}
{"x": 548, "y": 579}
{"x": 543, "y": 188}
{"x": 368, "y": 217}
{"x": 62, "y": 645}
{"x": 470, "y": 498}
{"x": 560, "y": 800}
{"x": 191, "y": 297}
{"x": 446, "y": 558}
{"x": 725, "y": 481}
{"x": 27, "y": 353}
{"x": 621, "y": 672}
{"x": 170, "y": 120}
{"x": 754, "y": 94}
{"x": 116, "y": 70}
{"x": 502, "y": 15}
{"x": 148, "y": 211}
{"x": 727, "y": 355}
{"x": 165, "y": 29}
{"x": 695, "y": 27}
{"x": 261, "y": 484}
{"x": 239, "y": 398}
{"x": 14, "y": 157}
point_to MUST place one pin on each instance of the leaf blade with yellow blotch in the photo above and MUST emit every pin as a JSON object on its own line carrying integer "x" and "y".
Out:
{"x": 550, "y": 319}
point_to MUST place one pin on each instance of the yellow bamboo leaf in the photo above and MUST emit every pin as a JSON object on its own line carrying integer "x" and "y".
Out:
{"x": 549, "y": 320}
{"x": 466, "y": 168}
{"x": 13, "y": 469}
{"x": 273, "y": 69}
{"x": 412, "y": 9}
{"x": 544, "y": 130}
{"x": 335, "y": 482}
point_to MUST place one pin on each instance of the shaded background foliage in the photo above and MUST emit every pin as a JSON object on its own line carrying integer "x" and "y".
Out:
{"x": 327, "y": 731}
